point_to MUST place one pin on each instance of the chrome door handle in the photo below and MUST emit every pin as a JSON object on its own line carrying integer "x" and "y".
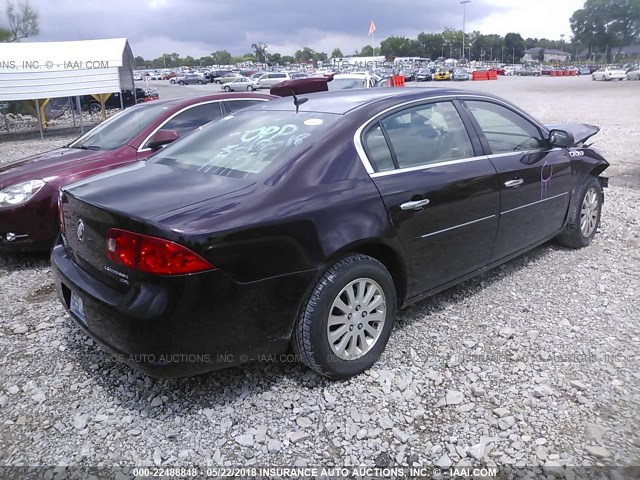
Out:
{"x": 514, "y": 183}
{"x": 414, "y": 205}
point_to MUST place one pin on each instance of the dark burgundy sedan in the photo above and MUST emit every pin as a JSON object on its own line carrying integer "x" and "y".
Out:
{"x": 309, "y": 221}
{"x": 29, "y": 187}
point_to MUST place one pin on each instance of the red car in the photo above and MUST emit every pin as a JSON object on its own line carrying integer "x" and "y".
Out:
{"x": 29, "y": 187}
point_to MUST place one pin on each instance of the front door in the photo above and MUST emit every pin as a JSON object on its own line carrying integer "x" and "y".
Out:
{"x": 442, "y": 199}
{"x": 535, "y": 180}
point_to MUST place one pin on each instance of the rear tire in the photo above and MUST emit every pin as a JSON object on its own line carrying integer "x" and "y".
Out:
{"x": 584, "y": 216}
{"x": 200, "y": 82}
{"x": 332, "y": 335}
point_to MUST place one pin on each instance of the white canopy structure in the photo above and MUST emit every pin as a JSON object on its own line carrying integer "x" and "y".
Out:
{"x": 40, "y": 70}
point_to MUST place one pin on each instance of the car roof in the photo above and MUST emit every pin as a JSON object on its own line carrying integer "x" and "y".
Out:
{"x": 186, "y": 101}
{"x": 343, "y": 101}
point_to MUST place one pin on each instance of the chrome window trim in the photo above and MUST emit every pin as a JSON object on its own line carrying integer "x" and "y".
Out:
{"x": 222, "y": 114}
{"x": 357, "y": 136}
{"x": 457, "y": 226}
{"x": 426, "y": 166}
{"x": 534, "y": 203}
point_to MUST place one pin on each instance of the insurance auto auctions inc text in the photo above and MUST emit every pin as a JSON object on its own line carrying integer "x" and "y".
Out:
{"x": 350, "y": 472}
{"x": 49, "y": 65}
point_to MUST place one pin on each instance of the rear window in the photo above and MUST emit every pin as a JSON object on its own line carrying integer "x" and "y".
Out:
{"x": 245, "y": 143}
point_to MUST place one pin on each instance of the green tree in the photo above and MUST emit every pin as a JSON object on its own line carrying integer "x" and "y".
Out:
{"x": 514, "y": 47}
{"x": 288, "y": 59}
{"x": 337, "y": 53}
{"x": 274, "y": 58}
{"x": 189, "y": 61}
{"x": 221, "y": 57}
{"x": 602, "y": 24}
{"x": 22, "y": 22}
{"x": 429, "y": 45}
{"x": 397, "y": 47}
{"x": 366, "y": 51}
{"x": 260, "y": 50}
{"x": 139, "y": 61}
{"x": 320, "y": 57}
{"x": 305, "y": 55}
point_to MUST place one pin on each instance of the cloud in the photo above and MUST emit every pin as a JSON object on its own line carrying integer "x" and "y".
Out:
{"x": 199, "y": 27}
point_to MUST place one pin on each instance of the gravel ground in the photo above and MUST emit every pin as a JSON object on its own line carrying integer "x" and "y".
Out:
{"x": 534, "y": 364}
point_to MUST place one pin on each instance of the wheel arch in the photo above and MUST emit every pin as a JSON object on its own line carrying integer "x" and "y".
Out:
{"x": 386, "y": 254}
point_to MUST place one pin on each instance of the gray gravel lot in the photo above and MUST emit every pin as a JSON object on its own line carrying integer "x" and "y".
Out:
{"x": 536, "y": 363}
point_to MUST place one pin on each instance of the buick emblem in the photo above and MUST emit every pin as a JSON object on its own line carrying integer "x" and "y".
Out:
{"x": 80, "y": 230}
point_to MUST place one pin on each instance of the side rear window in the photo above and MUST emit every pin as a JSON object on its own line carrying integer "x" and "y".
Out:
{"x": 426, "y": 134}
{"x": 378, "y": 150}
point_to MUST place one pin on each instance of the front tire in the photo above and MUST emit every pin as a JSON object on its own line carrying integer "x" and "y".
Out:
{"x": 346, "y": 320}
{"x": 227, "y": 88}
{"x": 584, "y": 216}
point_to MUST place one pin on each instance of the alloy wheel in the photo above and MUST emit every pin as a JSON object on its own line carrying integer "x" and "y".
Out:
{"x": 589, "y": 212}
{"x": 356, "y": 319}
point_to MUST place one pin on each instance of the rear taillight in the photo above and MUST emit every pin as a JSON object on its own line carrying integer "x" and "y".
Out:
{"x": 152, "y": 254}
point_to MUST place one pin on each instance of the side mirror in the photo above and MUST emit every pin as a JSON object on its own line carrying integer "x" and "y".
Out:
{"x": 163, "y": 137}
{"x": 560, "y": 138}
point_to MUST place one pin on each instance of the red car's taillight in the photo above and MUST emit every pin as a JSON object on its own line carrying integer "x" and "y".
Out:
{"x": 152, "y": 254}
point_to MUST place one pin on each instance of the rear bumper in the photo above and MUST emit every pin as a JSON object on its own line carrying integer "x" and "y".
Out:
{"x": 185, "y": 325}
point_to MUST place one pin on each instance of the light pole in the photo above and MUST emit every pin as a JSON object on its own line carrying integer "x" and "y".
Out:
{"x": 464, "y": 18}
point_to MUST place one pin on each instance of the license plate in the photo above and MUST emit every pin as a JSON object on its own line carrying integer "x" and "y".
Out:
{"x": 76, "y": 307}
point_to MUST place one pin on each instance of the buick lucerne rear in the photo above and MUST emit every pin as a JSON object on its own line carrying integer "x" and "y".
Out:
{"x": 308, "y": 221}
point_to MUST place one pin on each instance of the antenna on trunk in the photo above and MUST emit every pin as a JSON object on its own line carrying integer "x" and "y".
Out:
{"x": 298, "y": 101}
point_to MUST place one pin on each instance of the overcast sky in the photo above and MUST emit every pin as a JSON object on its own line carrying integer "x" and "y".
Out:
{"x": 199, "y": 27}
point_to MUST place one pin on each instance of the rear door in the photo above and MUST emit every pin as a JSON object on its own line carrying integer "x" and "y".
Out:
{"x": 535, "y": 180}
{"x": 440, "y": 192}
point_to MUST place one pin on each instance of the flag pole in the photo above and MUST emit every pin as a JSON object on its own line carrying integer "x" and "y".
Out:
{"x": 373, "y": 40}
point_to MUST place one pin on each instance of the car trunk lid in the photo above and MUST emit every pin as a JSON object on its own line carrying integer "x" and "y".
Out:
{"x": 130, "y": 198}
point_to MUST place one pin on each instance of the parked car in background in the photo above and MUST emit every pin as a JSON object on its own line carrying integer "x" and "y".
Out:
{"x": 188, "y": 79}
{"x": 460, "y": 74}
{"x": 424, "y": 75}
{"x": 227, "y": 77}
{"x": 634, "y": 74}
{"x": 92, "y": 105}
{"x": 271, "y": 78}
{"x": 137, "y": 77}
{"x": 528, "y": 72}
{"x": 232, "y": 244}
{"x": 546, "y": 69}
{"x": 442, "y": 74}
{"x": 214, "y": 74}
{"x": 609, "y": 73}
{"x": 583, "y": 71}
{"x": 29, "y": 187}
{"x": 241, "y": 84}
